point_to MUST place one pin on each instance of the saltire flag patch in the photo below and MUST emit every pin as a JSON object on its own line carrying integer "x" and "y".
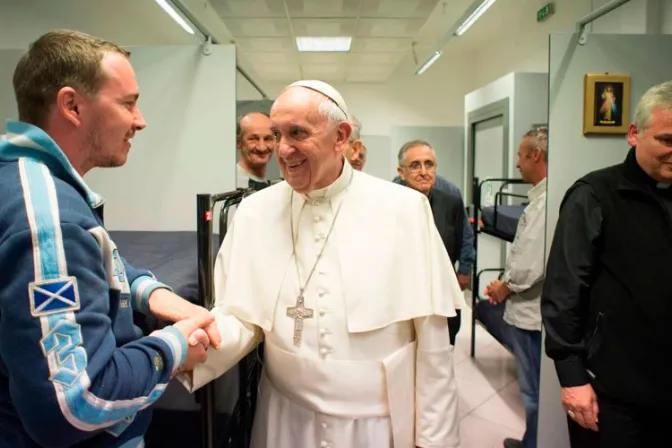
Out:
{"x": 53, "y": 296}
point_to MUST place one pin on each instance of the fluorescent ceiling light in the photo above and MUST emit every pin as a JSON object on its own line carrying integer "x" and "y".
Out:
{"x": 426, "y": 65}
{"x": 176, "y": 17}
{"x": 323, "y": 43}
{"x": 478, "y": 12}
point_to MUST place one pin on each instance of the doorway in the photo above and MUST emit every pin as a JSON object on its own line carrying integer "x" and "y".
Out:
{"x": 488, "y": 158}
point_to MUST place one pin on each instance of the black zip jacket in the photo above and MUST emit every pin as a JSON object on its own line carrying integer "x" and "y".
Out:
{"x": 449, "y": 217}
{"x": 607, "y": 300}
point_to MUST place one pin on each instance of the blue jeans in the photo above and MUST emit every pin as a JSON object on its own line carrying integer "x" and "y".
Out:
{"x": 492, "y": 318}
{"x": 526, "y": 346}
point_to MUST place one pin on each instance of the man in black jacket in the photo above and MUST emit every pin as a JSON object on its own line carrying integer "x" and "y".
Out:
{"x": 417, "y": 169}
{"x": 607, "y": 302}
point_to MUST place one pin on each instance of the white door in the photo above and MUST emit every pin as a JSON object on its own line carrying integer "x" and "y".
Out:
{"x": 489, "y": 162}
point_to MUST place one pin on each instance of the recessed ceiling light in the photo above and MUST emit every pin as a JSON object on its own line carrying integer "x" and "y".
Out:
{"x": 308, "y": 43}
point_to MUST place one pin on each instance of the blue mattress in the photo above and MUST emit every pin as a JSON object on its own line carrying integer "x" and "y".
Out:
{"x": 171, "y": 256}
{"x": 506, "y": 221}
{"x": 173, "y": 259}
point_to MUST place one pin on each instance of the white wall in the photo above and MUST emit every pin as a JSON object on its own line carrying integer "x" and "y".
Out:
{"x": 378, "y": 160}
{"x": 528, "y": 105}
{"x": 8, "y": 61}
{"x": 571, "y": 155}
{"x": 188, "y": 102}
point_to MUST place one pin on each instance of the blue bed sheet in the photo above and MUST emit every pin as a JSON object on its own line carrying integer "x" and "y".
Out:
{"x": 173, "y": 258}
{"x": 506, "y": 221}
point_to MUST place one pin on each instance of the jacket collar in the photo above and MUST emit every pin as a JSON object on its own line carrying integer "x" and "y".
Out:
{"x": 25, "y": 140}
{"x": 633, "y": 177}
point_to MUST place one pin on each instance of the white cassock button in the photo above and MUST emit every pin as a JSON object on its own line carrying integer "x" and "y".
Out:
{"x": 322, "y": 312}
{"x": 323, "y": 331}
{"x": 324, "y": 444}
{"x": 324, "y": 425}
{"x": 322, "y": 292}
{"x": 324, "y": 351}
{"x": 317, "y": 218}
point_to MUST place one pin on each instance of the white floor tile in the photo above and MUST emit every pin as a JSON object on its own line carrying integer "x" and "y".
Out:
{"x": 472, "y": 395}
{"x": 494, "y": 371}
{"x": 504, "y": 411}
{"x": 490, "y": 408}
{"x": 476, "y": 432}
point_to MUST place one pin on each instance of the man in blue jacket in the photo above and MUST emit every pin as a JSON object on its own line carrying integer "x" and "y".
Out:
{"x": 73, "y": 370}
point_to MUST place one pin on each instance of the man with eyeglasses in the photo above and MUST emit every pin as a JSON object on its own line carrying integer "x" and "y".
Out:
{"x": 417, "y": 170}
{"x": 467, "y": 255}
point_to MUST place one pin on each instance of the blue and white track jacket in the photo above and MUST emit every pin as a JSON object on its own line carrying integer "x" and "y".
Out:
{"x": 74, "y": 371}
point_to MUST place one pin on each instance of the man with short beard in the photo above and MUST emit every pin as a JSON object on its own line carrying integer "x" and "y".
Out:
{"x": 256, "y": 143}
{"x": 73, "y": 371}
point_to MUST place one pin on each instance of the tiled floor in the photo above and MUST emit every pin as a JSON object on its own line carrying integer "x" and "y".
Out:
{"x": 490, "y": 406}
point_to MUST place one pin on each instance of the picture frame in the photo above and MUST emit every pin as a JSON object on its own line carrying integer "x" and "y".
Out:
{"x": 606, "y": 104}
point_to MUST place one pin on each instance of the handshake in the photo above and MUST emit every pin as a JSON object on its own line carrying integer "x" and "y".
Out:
{"x": 196, "y": 324}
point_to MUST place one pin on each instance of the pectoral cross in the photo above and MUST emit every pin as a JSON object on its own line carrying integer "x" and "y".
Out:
{"x": 298, "y": 313}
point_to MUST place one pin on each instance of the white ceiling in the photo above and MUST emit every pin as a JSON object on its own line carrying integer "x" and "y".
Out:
{"x": 382, "y": 31}
{"x": 263, "y": 30}
{"x": 126, "y": 22}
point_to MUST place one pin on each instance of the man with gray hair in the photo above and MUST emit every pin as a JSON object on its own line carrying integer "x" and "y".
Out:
{"x": 467, "y": 255}
{"x": 520, "y": 288}
{"x": 607, "y": 303}
{"x": 417, "y": 168}
{"x": 352, "y": 310}
{"x": 355, "y": 152}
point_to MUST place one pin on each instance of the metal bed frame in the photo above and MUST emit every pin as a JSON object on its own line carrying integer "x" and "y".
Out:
{"x": 239, "y": 431}
{"x": 477, "y": 187}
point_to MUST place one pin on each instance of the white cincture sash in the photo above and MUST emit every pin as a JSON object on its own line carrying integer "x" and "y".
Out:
{"x": 350, "y": 389}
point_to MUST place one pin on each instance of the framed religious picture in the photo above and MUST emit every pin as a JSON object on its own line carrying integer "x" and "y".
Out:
{"x": 606, "y": 104}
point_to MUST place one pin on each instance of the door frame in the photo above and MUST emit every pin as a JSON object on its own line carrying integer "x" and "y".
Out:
{"x": 493, "y": 110}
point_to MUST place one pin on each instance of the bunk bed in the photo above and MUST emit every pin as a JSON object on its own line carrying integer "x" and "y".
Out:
{"x": 220, "y": 415}
{"x": 498, "y": 220}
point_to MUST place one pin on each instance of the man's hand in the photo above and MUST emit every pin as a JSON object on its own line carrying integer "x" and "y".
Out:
{"x": 169, "y": 306}
{"x": 580, "y": 403}
{"x": 463, "y": 280}
{"x": 497, "y": 291}
{"x": 491, "y": 292}
{"x": 197, "y": 339}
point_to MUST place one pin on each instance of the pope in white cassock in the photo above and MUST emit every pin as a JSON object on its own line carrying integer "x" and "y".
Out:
{"x": 345, "y": 278}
